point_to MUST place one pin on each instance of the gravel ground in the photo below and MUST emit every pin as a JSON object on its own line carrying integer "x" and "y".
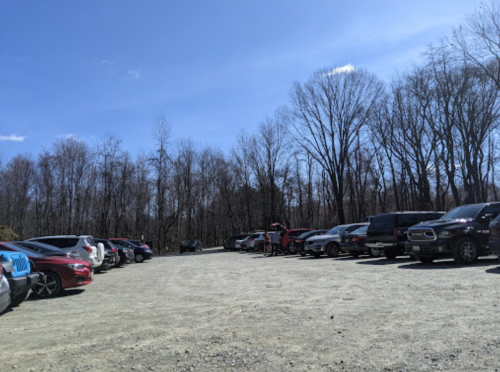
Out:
{"x": 235, "y": 311}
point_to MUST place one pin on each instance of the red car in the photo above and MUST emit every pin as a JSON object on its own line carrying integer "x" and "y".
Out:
{"x": 286, "y": 234}
{"x": 60, "y": 272}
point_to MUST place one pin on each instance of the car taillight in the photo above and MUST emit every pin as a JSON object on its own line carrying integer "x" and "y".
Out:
{"x": 1, "y": 270}
{"x": 356, "y": 238}
{"x": 395, "y": 231}
{"x": 88, "y": 249}
{"x": 113, "y": 249}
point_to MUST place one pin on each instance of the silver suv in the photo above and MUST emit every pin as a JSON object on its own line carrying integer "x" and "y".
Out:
{"x": 84, "y": 244}
{"x": 329, "y": 243}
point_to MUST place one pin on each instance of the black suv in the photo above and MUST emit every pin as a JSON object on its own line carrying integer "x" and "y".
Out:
{"x": 462, "y": 233}
{"x": 387, "y": 231}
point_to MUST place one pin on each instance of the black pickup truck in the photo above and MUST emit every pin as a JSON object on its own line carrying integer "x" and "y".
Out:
{"x": 462, "y": 234}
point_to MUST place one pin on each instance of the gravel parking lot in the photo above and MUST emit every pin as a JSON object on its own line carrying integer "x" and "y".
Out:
{"x": 235, "y": 311}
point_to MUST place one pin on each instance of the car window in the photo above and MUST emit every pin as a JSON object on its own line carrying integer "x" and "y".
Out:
{"x": 383, "y": 221}
{"x": 491, "y": 209}
{"x": 360, "y": 230}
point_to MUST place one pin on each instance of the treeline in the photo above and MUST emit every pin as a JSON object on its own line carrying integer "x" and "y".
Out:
{"x": 345, "y": 146}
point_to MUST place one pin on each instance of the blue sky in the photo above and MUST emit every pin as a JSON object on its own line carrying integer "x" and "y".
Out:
{"x": 87, "y": 68}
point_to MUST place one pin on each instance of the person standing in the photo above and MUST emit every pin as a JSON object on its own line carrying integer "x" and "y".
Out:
{"x": 275, "y": 239}
{"x": 267, "y": 242}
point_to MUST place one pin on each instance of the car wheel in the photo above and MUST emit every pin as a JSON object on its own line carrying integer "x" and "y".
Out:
{"x": 425, "y": 259}
{"x": 374, "y": 252}
{"x": 139, "y": 258}
{"x": 49, "y": 286}
{"x": 355, "y": 254}
{"x": 390, "y": 254}
{"x": 332, "y": 250}
{"x": 302, "y": 254}
{"x": 16, "y": 300}
{"x": 317, "y": 254}
{"x": 465, "y": 251}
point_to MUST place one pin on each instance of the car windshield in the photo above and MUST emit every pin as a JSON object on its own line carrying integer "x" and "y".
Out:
{"x": 336, "y": 230}
{"x": 361, "y": 230}
{"x": 463, "y": 212}
{"x": 21, "y": 249}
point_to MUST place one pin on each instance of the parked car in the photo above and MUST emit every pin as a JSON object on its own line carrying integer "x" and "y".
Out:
{"x": 494, "y": 240}
{"x": 47, "y": 250}
{"x": 297, "y": 242}
{"x": 256, "y": 242}
{"x": 287, "y": 235}
{"x": 190, "y": 246}
{"x": 329, "y": 243}
{"x": 388, "y": 231}
{"x": 58, "y": 272}
{"x": 84, "y": 244}
{"x": 16, "y": 269}
{"x": 111, "y": 255}
{"x": 138, "y": 243}
{"x": 140, "y": 253}
{"x": 230, "y": 243}
{"x": 244, "y": 243}
{"x": 4, "y": 291}
{"x": 237, "y": 243}
{"x": 463, "y": 234}
{"x": 355, "y": 243}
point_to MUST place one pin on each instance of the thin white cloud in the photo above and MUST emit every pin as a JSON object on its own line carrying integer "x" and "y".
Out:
{"x": 13, "y": 138}
{"x": 347, "y": 69}
{"x": 106, "y": 62}
{"x": 69, "y": 136}
{"x": 135, "y": 73}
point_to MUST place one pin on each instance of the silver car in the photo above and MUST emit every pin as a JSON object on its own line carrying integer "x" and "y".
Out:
{"x": 329, "y": 243}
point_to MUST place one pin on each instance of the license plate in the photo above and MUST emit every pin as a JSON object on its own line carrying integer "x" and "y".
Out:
{"x": 416, "y": 248}
{"x": 379, "y": 244}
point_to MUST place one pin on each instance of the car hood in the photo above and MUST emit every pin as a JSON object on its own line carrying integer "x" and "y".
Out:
{"x": 440, "y": 224}
{"x": 322, "y": 237}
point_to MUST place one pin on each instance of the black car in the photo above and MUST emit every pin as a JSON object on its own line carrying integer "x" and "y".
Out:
{"x": 47, "y": 250}
{"x": 355, "y": 243}
{"x": 112, "y": 255}
{"x": 297, "y": 242}
{"x": 463, "y": 234}
{"x": 140, "y": 253}
{"x": 190, "y": 246}
{"x": 387, "y": 231}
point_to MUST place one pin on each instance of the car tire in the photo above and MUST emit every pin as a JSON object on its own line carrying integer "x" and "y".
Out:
{"x": 374, "y": 252}
{"x": 425, "y": 260}
{"x": 50, "y": 286}
{"x": 332, "y": 250}
{"x": 302, "y": 254}
{"x": 139, "y": 257}
{"x": 390, "y": 254}
{"x": 465, "y": 251}
{"x": 17, "y": 300}
{"x": 355, "y": 254}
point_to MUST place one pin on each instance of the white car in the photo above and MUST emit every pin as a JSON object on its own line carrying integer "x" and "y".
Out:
{"x": 329, "y": 242}
{"x": 84, "y": 244}
{"x": 237, "y": 243}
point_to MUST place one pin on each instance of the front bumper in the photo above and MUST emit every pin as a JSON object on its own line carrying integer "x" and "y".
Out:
{"x": 434, "y": 248}
{"x": 23, "y": 284}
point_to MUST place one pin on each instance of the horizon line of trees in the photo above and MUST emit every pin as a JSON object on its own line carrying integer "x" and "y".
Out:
{"x": 344, "y": 147}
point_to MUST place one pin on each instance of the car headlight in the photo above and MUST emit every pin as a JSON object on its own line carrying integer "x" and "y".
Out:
{"x": 75, "y": 266}
{"x": 445, "y": 234}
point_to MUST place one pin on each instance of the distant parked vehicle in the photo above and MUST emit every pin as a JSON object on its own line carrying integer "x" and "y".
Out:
{"x": 140, "y": 253}
{"x": 84, "y": 244}
{"x": 387, "y": 231}
{"x": 47, "y": 250}
{"x": 16, "y": 269}
{"x": 297, "y": 242}
{"x": 289, "y": 234}
{"x": 463, "y": 234}
{"x": 329, "y": 242}
{"x": 354, "y": 243}
{"x": 230, "y": 243}
{"x": 138, "y": 243}
{"x": 256, "y": 242}
{"x": 244, "y": 243}
{"x": 190, "y": 246}
{"x": 58, "y": 272}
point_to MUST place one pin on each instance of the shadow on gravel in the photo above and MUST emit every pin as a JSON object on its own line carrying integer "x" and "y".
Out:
{"x": 385, "y": 261}
{"x": 198, "y": 253}
{"x": 496, "y": 270}
{"x": 443, "y": 265}
{"x": 63, "y": 293}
